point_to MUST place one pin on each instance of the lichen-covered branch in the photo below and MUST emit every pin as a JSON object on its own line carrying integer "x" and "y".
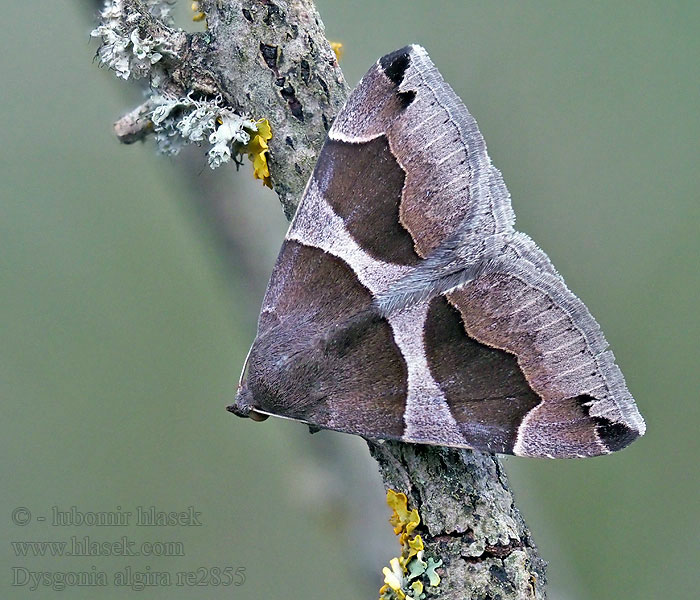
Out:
{"x": 269, "y": 60}
{"x": 468, "y": 520}
{"x": 258, "y": 59}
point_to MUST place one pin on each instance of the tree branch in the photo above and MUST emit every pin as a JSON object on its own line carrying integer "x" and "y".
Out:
{"x": 270, "y": 59}
{"x": 260, "y": 58}
{"x": 468, "y": 519}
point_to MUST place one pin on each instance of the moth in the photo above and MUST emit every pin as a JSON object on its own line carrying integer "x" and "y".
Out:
{"x": 405, "y": 306}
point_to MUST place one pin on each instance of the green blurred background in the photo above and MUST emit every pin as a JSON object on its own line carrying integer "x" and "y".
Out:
{"x": 125, "y": 318}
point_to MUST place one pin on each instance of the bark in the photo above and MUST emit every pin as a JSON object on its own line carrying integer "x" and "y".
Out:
{"x": 270, "y": 58}
{"x": 468, "y": 519}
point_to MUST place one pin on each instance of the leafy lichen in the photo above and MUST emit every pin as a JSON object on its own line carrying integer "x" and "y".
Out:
{"x": 257, "y": 150}
{"x": 409, "y": 574}
{"x": 124, "y": 49}
{"x": 180, "y": 120}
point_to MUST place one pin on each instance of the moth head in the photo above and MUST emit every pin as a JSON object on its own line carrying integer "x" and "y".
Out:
{"x": 243, "y": 406}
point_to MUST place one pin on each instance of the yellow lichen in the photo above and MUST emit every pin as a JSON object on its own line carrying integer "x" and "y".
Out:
{"x": 257, "y": 150}
{"x": 337, "y": 48}
{"x": 417, "y": 588}
{"x": 394, "y": 577}
{"x": 403, "y": 520}
{"x": 198, "y": 14}
{"x": 414, "y": 546}
{"x": 403, "y": 580}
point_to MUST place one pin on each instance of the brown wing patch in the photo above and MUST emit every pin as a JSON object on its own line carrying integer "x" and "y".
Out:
{"x": 450, "y": 180}
{"x": 484, "y": 387}
{"x": 323, "y": 357}
{"x": 363, "y": 183}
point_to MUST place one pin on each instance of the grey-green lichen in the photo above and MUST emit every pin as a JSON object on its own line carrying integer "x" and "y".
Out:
{"x": 125, "y": 49}
{"x": 177, "y": 121}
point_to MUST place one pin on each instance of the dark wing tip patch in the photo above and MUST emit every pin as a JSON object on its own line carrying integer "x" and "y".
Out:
{"x": 615, "y": 436}
{"x": 395, "y": 64}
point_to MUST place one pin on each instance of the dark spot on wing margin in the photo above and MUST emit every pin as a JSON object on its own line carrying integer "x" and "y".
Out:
{"x": 396, "y": 63}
